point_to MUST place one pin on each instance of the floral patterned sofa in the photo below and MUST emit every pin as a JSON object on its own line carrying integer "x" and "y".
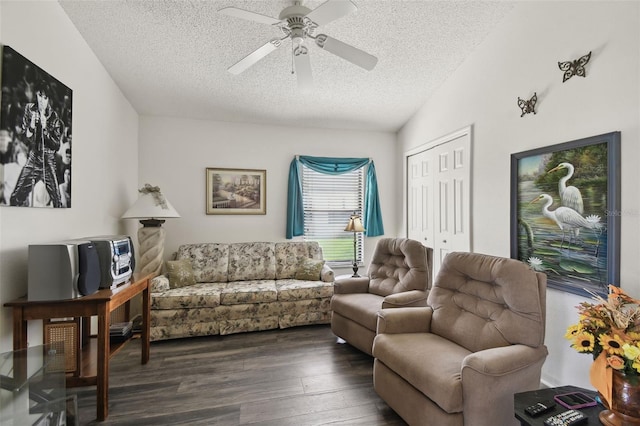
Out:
{"x": 219, "y": 288}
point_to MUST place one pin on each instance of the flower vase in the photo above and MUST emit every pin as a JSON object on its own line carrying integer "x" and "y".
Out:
{"x": 625, "y": 402}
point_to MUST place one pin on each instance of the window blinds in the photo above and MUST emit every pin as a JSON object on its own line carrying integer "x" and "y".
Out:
{"x": 329, "y": 201}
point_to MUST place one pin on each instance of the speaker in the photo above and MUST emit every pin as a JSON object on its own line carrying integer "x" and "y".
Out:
{"x": 88, "y": 268}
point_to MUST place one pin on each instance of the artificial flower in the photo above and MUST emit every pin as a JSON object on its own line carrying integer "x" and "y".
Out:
{"x": 611, "y": 344}
{"x": 572, "y": 332}
{"x": 584, "y": 342}
{"x": 610, "y": 326}
{"x": 631, "y": 352}
{"x": 615, "y": 362}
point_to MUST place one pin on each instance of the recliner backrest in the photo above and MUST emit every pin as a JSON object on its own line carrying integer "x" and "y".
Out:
{"x": 482, "y": 301}
{"x": 398, "y": 265}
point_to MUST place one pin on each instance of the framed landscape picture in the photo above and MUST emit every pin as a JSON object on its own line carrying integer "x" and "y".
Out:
{"x": 565, "y": 212}
{"x": 236, "y": 191}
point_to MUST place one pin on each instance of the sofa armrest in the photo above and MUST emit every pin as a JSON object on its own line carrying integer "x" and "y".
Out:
{"x": 504, "y": 360}
{"x": 159, "y": 284}
{"x": 405, "y": 299}
{"x": 505, "y": 371}
{"x": 347, "y": 285}
{"x": 326, "y": 274}
{"x": 404, "y": 320}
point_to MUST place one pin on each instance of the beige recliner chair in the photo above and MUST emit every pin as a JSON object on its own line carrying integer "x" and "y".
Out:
{"x": 398, "y": 276}
{"x": 460, "y": 360}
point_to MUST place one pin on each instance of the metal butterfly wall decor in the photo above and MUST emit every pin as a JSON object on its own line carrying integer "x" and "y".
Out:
{"x": 528, "y": 106}
{"x": 575, "y": 67}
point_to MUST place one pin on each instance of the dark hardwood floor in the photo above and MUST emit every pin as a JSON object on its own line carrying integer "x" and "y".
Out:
{"x": 297, "y": 376}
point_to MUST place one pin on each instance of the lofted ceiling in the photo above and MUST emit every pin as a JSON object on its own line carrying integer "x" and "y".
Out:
{"x": 170, "y": 58}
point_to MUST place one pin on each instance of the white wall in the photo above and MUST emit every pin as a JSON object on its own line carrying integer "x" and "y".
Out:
{"x": 104, "y": 156}
{"x": 520, "y": 57}
{"x": 174, "y": 154}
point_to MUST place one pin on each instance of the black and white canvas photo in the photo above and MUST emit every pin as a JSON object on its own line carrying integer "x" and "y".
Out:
{"x": 35, "y": 135}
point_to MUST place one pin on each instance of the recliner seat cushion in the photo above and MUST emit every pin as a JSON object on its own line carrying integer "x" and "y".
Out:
{"x": 428, "y": 362}
{"x": 361, "y": 308}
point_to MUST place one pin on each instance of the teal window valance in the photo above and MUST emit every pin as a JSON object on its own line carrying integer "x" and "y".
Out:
{"x": 372, "y": 215}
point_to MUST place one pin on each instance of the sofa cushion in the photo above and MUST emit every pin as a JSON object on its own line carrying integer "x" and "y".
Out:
{"x": 407, "y": 353}
{"x": 180, "y": 273}
{"x": 301, "y": 290}
{"x": 309, "y": 270}
{"x": 253, "y": 291}
{"x": 200, "y": 295}
{"x": 210, "y": 261}
{"x": 359, "y": 307}
{"x": 290, "y": 254}
{"x": 252, "y": 261}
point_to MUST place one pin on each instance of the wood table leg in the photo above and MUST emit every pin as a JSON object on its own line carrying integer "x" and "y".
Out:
{"x": 103, "y": 362}
{"x": 146, "y": 324}
{"x": 19, "y": 343}
{"x": 19, "y": 330}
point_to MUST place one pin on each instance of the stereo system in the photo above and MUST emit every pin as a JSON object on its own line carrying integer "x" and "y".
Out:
{"x": 76, "y": 268}
{"x": 117, "y": 260}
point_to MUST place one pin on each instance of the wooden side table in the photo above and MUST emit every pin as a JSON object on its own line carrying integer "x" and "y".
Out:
{"x": 100, "y": 304}
{"x": 524, "y": 399}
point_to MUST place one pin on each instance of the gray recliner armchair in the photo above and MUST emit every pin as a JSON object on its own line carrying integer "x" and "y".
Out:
{"x": 399, "y": 276}
{"x": 460, "y": 360}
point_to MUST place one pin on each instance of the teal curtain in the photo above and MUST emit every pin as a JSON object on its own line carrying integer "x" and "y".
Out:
{"x": 372, "y": 217}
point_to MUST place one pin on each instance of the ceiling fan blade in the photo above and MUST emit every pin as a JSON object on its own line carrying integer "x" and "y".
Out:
{"x": 250, "y": 16}
{"x": 255, "y": 56}
{"x": 303, "y": 68}
{"x": 346, "y": 51}
{"x": 330, "y": 11}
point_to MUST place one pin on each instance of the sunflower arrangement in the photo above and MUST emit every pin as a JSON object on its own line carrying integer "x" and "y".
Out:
{"x": 611, "y": 326}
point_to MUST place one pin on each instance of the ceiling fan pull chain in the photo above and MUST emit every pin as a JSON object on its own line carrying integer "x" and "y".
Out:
{"x": 293, "y": 69}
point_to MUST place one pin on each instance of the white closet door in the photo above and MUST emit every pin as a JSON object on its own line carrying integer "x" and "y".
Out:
{"x": 439, "y": 195}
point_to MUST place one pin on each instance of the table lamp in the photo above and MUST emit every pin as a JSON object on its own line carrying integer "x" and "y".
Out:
{"x": 355, "y": 225}
{"x": 151, "y": 208}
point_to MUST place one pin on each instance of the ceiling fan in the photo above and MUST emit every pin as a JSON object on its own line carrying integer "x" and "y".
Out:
{"x": 299, "y": 24}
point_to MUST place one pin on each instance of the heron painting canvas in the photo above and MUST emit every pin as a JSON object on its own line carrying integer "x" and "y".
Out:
{"x": 565, "y": 212}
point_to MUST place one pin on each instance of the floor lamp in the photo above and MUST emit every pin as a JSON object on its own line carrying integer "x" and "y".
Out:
{"x": 151, "y": 208}
{"x": 355, "y": 225}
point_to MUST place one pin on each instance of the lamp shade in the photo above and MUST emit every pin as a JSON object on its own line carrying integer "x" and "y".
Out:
{"x": 151, "y": 204}
{"x": 355, "y": 224}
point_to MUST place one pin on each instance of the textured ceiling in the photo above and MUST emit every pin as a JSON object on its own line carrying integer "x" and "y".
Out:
{"x": 170, "y": 57}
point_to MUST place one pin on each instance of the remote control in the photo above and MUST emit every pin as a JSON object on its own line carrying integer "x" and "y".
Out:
{"x": 566, "y": 418}
{"x": 539, "y": 408}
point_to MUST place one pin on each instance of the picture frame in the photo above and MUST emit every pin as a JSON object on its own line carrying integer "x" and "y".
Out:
{"x": 35, "y": 135}
{"x": 236, "y": 191}
{"x": 574, "y": 240}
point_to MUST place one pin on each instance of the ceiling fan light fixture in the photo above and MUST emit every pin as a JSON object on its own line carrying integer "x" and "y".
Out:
{"x": 297, "y": 36}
